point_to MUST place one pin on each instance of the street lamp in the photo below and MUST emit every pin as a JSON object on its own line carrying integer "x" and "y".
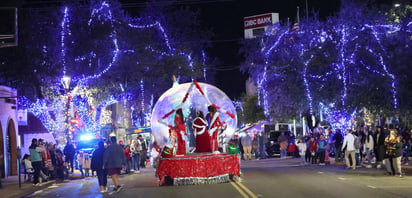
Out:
{"x": 66, "y": 85}
{"x": 397, "y": 5}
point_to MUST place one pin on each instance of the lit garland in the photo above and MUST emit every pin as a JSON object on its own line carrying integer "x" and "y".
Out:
{"x": 90, "y": 113}
{"x": 343, "y": 38}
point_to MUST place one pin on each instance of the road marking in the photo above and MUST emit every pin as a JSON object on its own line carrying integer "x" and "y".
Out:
{"x": 320, "y": 172}
{"x": 239, "y": 190}
{"x": 371, "y": 186}
{"x": 247, "y": 190}
{"x": 341, "y": 178}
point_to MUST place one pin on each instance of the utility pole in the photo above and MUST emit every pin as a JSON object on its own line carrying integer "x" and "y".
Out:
{"x": 307, "y": 11}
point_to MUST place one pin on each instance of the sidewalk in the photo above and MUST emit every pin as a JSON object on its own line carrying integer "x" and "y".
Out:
{"x": 10, "y": 186}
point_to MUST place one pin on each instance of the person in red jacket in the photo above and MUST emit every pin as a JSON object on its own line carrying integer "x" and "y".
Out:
{"x": 313, "y": 147}
{"x": 128, "y": 158}
{"x": 214, "y": 126}
{"x": 201, "y": 134}
{"x": 179, "y": 130}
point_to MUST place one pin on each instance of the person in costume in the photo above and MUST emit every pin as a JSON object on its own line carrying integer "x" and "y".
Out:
{"x": 179, "y": 130}
{"x": 214, "y": 125}
{"x": 202, "y": 142}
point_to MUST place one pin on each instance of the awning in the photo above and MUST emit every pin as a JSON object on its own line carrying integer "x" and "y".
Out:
{"x": 255, "y": 128}
{"x": 139, "y": 130}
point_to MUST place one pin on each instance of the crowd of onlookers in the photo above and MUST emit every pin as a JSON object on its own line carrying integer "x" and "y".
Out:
{"x": 364, "y": 146}
{"x": 48, "y": 162}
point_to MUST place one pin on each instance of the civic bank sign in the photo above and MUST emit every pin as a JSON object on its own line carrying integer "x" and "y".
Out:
{"x": 255, "y": 25}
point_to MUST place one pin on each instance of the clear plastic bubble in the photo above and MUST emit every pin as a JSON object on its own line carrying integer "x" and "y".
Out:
{"x": 195, "y": 102}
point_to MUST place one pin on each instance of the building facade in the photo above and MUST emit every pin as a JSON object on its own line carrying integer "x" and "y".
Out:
{"x": 9, "y": 140}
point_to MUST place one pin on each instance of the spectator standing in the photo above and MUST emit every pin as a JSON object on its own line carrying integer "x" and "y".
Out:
{"x": 368, "y": 148}
{"x": 114, "y": 159}
{"x": 69, "y": 153}
{"x": 80, "y": 160}
{"x": 262, "y": 143}
{"x": 247, "y": 146}
{"x": 349, "y": 145}
{"x": 313, "y": 147}
{"x": 53, "y": 161}
{"x": 302, "y": 150}
{"x": 97, "y": 165}
{"x": 255, "y": 146}
{"x": 322, "y": 149}
{"x": 283, "y": 143}
{"x": 86, "y": 164}
{"x": 393, "y": 146}
{"x": 337, "y": 139}
{"x": 136, "y": 149}
{"x": 128, "y": 158}
{"x": 60, "y": 164}
{"x": 36, "y": 160}
{"x": 143, "y": 154}
{"x": 379, "y": 146}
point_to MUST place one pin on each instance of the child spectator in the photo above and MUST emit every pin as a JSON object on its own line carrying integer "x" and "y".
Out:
{"x": 86, "y": 164}
{"x": 302, "y": 150}
{"x": 313, "y": 147}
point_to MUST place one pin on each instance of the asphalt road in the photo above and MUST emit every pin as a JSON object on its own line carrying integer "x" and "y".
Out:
{"x": 263, "y": 178}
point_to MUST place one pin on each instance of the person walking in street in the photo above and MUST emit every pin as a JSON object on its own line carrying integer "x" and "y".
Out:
{"x": 247, "y": 146}
{"x": 368, "y": 148}
{"x": 36, "y": 160}
{"x": 97, "y": 165}
{"x": 349, "y": 145}
{"x": 114, "y": 159}
{"x": 69, "y": 153}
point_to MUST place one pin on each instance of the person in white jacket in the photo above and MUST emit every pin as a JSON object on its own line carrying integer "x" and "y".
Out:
{"x": 302, "y": 150}
{"x": 348, "y": 142}
{"x": 368, "y": 148}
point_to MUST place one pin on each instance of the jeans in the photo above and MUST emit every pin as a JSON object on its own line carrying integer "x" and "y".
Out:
{"x": 37, "y": 169}
{"x": 86, "y": 172}
{"x": 128, "y": 164}
{"x": 102, "y": 177}
{"x": 369, "y": 155}
{"x": 321, "y": 155}
{"x": 69, "y": 160}
{"x": 81, "y": 169}
{"x": 262, "y": 151}
{"x": 136, "y": 164}
{"x": 338, "y": 152}
{"x": 302, "y": 159}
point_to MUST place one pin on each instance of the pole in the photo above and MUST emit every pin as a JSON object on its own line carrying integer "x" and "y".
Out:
{"x": 18, "y": 153}
{"x": 307, "y": 12}
{"x": 1, "y": 162}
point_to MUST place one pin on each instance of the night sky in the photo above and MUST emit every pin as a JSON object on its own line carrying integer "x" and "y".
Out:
{"x": 225, "y": 18}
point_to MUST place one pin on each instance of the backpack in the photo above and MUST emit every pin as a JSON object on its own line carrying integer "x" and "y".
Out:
{"x": 356, "y": 143}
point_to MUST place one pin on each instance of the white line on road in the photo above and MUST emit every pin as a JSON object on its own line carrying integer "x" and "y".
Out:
{"x": 370, "y": 186}
{"x": 341, "y": 178}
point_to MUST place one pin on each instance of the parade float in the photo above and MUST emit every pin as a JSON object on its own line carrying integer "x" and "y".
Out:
{"x": 180, "y": 163}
